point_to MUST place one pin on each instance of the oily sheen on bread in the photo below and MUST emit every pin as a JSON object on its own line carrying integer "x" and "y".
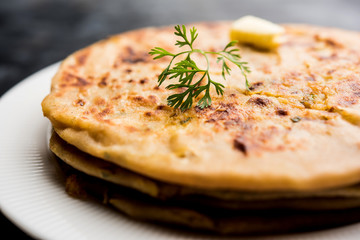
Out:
{"x": 297, "y": 130}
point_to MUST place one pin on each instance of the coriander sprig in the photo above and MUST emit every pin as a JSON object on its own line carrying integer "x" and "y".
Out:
{"x": 186, "y": 70}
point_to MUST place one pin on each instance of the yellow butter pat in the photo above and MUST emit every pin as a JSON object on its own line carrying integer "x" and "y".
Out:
{"x": 257, "y": 32}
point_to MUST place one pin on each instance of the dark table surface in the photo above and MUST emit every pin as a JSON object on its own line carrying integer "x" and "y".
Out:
{"x": 37, "y": 33}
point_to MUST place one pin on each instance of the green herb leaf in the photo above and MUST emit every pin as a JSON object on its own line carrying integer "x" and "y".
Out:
{"x": 186, "y": 70}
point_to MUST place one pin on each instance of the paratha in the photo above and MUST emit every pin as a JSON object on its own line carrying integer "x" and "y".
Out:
{"x": 342, "y": 198}
{"x": 200, "y": 217}
{"x": 297, "y": 130}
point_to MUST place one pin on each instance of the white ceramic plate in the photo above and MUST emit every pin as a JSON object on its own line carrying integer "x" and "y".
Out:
{"x": 33, "y": 197}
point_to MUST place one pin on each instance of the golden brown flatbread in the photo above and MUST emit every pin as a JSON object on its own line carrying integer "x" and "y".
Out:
{"x": 297, "y": 130}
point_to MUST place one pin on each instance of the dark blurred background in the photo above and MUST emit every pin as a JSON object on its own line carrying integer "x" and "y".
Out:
{"x": 37, "y": 33}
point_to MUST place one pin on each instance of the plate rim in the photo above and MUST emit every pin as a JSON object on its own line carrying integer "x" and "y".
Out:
{"x": 12, "y": 216}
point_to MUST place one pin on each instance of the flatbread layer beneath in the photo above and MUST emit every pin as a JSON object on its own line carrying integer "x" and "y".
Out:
{"x": 297, "y": 130}
{"x": 208, "y": 219}
{"x": 342, "y": 198}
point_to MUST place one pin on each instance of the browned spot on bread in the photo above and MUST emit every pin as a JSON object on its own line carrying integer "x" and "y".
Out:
{"x": 259, "y": 101}
{"x": 138, "y": 99}
{"x": 80, "y": 82}
{"x": 133, "y": 57}
{"x": 153, "y": 99}
{"x": 223, "y": 111}
{"x": 328, "y": 41}
{"x": 69, "y": 79}
{"x": 210, "y": 120}
{"x": 160, "y": 107}
{"x": 142, "y": 101}
{"x": 116, "y": 97}
{"x": 281, "y": 112}
{"x": 239, "y": 144}
{"x": 130, "y": 56}
{"x": 103, "y": 80}
{"x": 149, "y": 114}
{"x": 104, "y": 112}
{"x": 225, "y": 115}
{"x": 256, "y": 85}
{"x": 219, "y": 115}
{"x": 164, "y": 107}
{"x": 82, "y": 56}
{"x": 93, "y": 110}
{"x": 99, "y": 101}
{"x": 143, "y": 81}
{"x": 80, "y": 102}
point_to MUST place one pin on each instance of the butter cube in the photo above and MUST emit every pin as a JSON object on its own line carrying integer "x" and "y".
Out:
{"x": 257, "y": 32}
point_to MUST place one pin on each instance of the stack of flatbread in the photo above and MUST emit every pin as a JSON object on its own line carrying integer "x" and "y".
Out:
{"x": 283, "y": 157}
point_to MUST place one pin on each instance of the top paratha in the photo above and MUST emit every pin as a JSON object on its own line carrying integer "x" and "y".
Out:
{"x": 105, "y": 101}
